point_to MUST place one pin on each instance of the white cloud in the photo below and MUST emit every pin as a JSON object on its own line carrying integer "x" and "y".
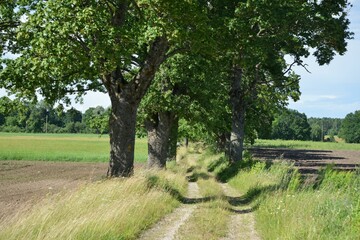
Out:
{"x": 316, "y": 98}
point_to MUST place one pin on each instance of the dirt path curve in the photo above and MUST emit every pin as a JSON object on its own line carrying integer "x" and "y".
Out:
{"x": 167, "y": 228}
{"x": 242, "y": 221}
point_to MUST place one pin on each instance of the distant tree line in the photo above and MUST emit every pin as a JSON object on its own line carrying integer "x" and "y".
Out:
{"x": 289, "y": 124}
{"x": 20, "y": 116}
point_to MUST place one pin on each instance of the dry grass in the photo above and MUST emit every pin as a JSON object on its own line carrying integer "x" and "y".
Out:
{"x": 110, "y": 209}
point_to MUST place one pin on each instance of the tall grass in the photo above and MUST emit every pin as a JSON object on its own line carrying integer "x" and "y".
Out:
{"x": 110, "y": 209}
{"x": 287, "y": 207}
{"x": 307, "y": 145}
{"x": 330, "y": 211}
{"x": 61, "y": 147}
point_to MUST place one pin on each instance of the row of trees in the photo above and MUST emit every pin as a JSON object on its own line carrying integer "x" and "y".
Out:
{"x": 20, "y": 116}
{"x": 287, "y": 124}
{"x": 218, "y": 66}
{"x": 291, "y": 125}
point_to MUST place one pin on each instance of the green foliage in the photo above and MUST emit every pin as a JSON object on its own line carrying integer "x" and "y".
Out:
{"x": 67, "y": 46}
{"x": 21, "y": 116}
{"x": 350, "y": 128}
{"x": 291, "y": 125}
{"x": 97, "y": 119}
{"x": 316, "y": 132}
{"x": 322, "y": 127}
{"x": 192, "y": 88}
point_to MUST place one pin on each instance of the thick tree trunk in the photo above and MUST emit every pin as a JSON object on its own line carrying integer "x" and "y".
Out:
{"x": 173, "y": 138}
{"x": 237, "y": 135}
{"x": 122, "y": 138}
{"x": 125, "y": 97}
{"x": 238, "y": 117}
{"x": 158, "y": 128}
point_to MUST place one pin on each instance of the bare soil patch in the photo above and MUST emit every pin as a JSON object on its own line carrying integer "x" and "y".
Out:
{"x": 311, "y": 161}
{"x": 25, "y": 182}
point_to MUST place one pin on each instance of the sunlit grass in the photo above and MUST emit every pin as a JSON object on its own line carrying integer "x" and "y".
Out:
{"x": 62, "y": 147}
{"x": 292, "y": 144}
{"x": 109, "y": 209}
{"x": 288, "y": 208}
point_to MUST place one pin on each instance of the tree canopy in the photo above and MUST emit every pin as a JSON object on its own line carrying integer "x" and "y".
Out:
{"x": 228, "y": 53}
{"x": 291, "y": 125}
{"x": 350, "y": 128}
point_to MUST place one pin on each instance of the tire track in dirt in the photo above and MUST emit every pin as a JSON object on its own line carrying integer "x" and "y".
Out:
{"x": 167, "y": 228}
{"x": 242, "y": 222}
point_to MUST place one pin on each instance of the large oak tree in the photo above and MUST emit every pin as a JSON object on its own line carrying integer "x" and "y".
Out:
{"x": 114, "y": 46}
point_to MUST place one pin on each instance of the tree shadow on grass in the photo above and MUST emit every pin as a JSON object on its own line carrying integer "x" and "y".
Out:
{"x": 232, "y": 169}
{"x": 252, "y": 195}
{"x": 154, "y": 181}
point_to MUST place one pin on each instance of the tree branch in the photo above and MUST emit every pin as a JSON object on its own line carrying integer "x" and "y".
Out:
{"x": 77, "y": 39}
{"x": 298, "y": 62}
{"x": 176, "y": 51}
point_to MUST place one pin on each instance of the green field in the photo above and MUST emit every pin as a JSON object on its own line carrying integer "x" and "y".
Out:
{"x": 61, "y": 147}
{"x": 292, "y": 144}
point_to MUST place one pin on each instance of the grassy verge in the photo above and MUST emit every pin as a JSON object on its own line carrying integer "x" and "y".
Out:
{"x": 287, "y": 208}
{"x": 329, "y": 211}
{"x": 110, "y": 209}
{"x": 61, "y": 147}
{"x": 307, "y": 145}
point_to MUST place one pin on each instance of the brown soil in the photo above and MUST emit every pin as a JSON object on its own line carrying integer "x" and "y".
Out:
{"x": 25, "y": 182}
{"x": 311, "y": 161}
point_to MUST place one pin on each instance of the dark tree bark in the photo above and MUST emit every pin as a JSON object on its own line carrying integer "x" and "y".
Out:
{"x": 125, "y": 98}
{"x": 122, "y": 138}
{"x": 238, "y": 117}
{"x": 173, "y": 139}
{"x": 222, "y": 143}
{"x": 158, "y": 127}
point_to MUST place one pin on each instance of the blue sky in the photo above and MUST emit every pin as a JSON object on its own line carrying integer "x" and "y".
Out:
{"x": 328, "y": 91}
{"x": 333, "y": 90}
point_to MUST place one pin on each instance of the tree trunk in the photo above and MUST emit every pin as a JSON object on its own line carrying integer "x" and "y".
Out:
{"x": 158, "y": 128}
{"x": 173, "y": 138}
{"x": 122, "y": 138}
{"x": 125, "y": 98}
{"x": 238, "y": 117}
